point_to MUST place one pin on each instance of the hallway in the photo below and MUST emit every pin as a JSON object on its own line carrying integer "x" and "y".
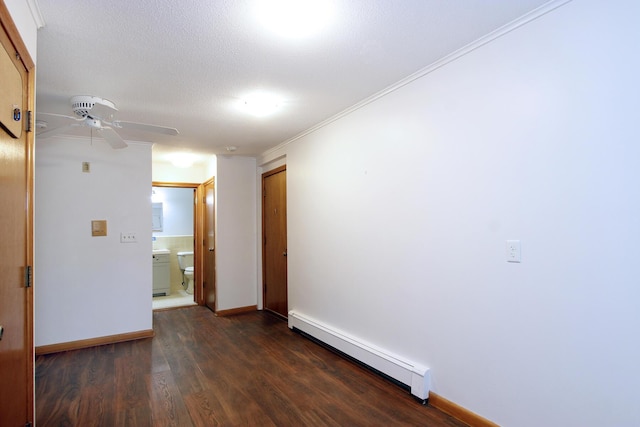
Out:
{"x": 203, "y": 370}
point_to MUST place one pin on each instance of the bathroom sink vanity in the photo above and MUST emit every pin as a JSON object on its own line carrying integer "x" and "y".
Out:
{"x": 161, "y": 274}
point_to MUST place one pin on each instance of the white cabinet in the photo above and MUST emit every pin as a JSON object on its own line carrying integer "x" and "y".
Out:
{"x": 161, "y": 274}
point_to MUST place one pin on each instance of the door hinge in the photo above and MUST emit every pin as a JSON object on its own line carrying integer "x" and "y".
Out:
{"x": 28, "y": 121}
{"x": 27, "y": 276}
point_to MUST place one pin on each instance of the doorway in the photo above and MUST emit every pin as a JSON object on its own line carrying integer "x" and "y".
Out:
{"x": 175, "y": 231}
{"x": 274, "y": 241}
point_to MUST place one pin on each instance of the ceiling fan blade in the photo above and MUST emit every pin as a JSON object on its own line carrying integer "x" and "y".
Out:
{"x": 61, "y": 123}
{"x": 64, "y": 116}
{"x": 112, "y": 137}
{"x": 55, "y": 131}
{"x": 146, "y": 128}
{"x": 102, "y": 112}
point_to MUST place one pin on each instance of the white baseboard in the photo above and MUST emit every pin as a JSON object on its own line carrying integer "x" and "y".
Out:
{"x": 413, "y": 375}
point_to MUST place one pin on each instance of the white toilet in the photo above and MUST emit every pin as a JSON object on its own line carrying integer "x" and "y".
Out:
{"x": 185, "y": 261}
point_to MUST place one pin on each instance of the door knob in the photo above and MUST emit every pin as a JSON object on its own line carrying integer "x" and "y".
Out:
{"x": 210, "y": 249}
{"x": 284, "y": 253}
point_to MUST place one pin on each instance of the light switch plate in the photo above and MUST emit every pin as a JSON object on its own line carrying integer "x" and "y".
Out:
{"x": 128, "y": 238}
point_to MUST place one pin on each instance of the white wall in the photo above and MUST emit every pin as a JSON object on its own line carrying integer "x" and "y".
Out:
{"x": 196, "y": 174}
{"x": 236, "y": 260}
{"x": 399, "y": 212}
{"x": 88, "y": 287}
{"x": 25, "y": 19}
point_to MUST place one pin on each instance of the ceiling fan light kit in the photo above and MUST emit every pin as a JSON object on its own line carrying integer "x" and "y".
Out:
{"x": 83, "y": 104}
{"x": 97, "y": 113}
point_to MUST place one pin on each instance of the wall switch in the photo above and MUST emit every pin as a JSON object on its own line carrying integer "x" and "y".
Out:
{"x": 128, "y": 238}
{"x": 86, "y": 167}
{"x": 514, "y": 253}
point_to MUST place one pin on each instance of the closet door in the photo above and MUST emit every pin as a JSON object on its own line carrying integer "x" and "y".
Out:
{"x": 274, "y": 239}
{"x": 16, "y": 333}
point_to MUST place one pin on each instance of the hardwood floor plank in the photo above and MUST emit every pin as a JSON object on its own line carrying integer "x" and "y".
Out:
{"x": 167, "y": 407}
{"x": 205, "y": 409}
{"x": 231, "y": 395}
{"x": 130, "y": 417}
{"x": 131, "y": 383}
{"x": 202, "y": 370}
{"x": 96, "y": 405}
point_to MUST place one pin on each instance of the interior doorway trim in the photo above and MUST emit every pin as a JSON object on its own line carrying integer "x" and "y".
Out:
{"x": 197, "y": 234}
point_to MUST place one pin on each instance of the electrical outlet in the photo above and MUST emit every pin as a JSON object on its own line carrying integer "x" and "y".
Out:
{"x": 514, "y": 252}
{"x": 128, "y": 238}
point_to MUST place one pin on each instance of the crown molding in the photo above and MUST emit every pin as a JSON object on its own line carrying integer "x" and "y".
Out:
{"x": 34, "y": 7}
{"x": 505, "y": 29}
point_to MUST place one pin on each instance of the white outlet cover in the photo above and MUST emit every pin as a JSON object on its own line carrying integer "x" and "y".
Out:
{"x": 128, "y": 238}
{"x": 514, "y": 251}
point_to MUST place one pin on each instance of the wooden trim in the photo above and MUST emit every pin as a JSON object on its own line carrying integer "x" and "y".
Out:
{"x": 202, "y": 212}
{"x": 458, "y": 412}
{"x": 10, "y": 30}
{"x": 31, "y": 100}
{"x": 198, "y": 256}
{"x": 174, "y": 184}
{"x": 173, "y": 308}
{"x": 197, "y": 233}
{"x": 93, "y": 342}
{"x": 16, "y": 40}
{"x": 274, "y": 171}
{"x": 238, "y": 310}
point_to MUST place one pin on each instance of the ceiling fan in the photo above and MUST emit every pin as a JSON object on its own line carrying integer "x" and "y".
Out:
{"x": 97, "y": 113}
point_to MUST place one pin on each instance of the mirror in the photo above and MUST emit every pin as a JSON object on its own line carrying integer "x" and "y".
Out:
{"x": 156, "y": 216}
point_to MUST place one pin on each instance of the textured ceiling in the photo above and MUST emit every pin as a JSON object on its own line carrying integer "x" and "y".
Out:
{"x": 188, "y": 64}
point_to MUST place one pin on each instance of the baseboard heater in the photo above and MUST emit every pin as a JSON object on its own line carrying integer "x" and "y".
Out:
{"x": 415, "y": 377}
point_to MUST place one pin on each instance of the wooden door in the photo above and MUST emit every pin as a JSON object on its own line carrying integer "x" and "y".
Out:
{"x": 16, "y": 154}
{"x": 209, "y": 267}
{"x": 274, "y": 239}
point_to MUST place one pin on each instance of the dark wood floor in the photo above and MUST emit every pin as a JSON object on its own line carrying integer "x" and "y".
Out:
{"x": 203, "y": 370}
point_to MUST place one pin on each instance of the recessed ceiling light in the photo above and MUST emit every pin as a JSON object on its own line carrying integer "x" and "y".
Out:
{"x": 260, "y": 104}
{"x": 182, "y": 160}
{"x": 294, "y": 18}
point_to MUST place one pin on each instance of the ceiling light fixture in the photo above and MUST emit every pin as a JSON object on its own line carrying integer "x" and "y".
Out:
{"x": 182, "y": 160}
{"x": 260, "y": 104}
{"x": 294, "y": 18}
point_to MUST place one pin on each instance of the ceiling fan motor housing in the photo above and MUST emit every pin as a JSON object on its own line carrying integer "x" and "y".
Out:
{"x": 83, "y": 104}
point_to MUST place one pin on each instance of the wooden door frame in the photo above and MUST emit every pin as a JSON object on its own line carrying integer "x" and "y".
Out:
{"x": 267, "y": 174}
{"x": 203, "y": 214}
{"x": 11, "y": 30}
{"x": 198, "y": 223}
